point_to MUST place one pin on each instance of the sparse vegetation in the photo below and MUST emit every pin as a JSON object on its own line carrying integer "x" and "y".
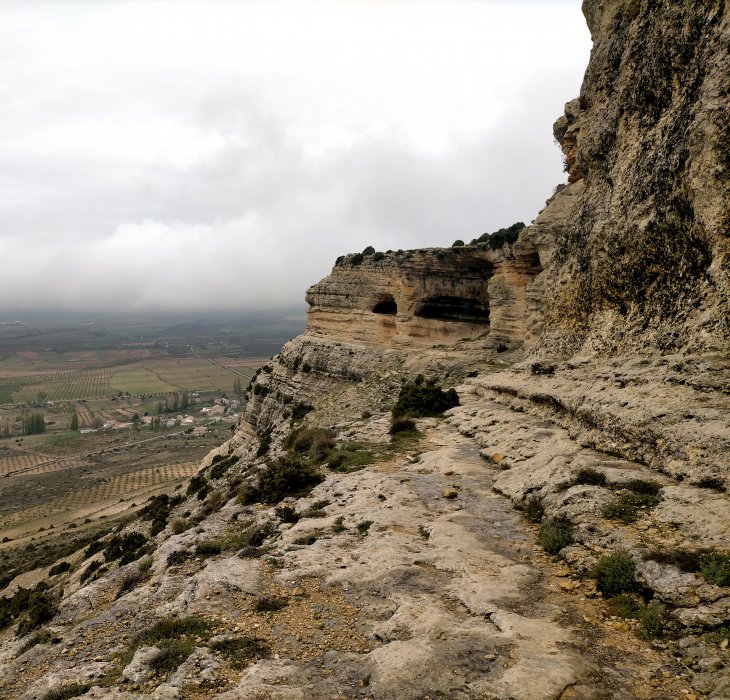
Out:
{"x": 59, "y": 568}
{"x": 533, "y": 509}
{"x": 589, "y": 477}
{"x": 713, "y": 483}
{"x": 615, "y": 573}
{"x": 65, "y": 692}
{"x": 501, "y": 236}
{"x": 287, "y": 476}
{"x": 269, "y": 604}
{"x": 208, "y": 549}
{"x": 287, "y": 514}
{"x": 240, "y": 650}
{"x": 423, "y": 398}
{"x": 555, "y": 534}
{"x": 314, "y": 443}
{"x": 363, "y": 527}
{"x": 651, "y": 617}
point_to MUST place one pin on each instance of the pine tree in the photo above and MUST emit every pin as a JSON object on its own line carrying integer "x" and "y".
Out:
{"x": 74, "y": 421}
{"x": 185, "y": 400}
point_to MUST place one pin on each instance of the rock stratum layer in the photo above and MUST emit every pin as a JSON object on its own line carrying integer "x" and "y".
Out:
{"x": 590, "y": 358}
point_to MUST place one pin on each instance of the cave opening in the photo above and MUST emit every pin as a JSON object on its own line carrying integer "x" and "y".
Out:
{"x": 386, "y": 306}
{"x": 454, "y": 308}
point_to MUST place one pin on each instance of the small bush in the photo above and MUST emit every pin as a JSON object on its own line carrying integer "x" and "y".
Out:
{"x": 59, "y": 568}
{"x": 643, "y": 486}
{"x": 364, "y": 527}
{"x": 421, "y": 399}
{"x": 555, "y": 534}
{"x": 158, "y": 511}
{"x": 269, "y": 604}
{"x": 615, "y": 573}
{"x": 208, "y": 549}
{"x": 715, "y": 568}
{"x": 179, "y": 525}
{"x": 90, "y": 570}
{"x": 239, "y": 651}
{"x": 338, "y": 526}
{"x": 287, "y": 514}
{"x": 197, "y": 484}
{"x": 221, "y": 465}
{"x": 286, "y": 477}
{"x": 620, "y": 510}
{"x": 651, "y": 617}
{"x": 41, "y": 608}
{"x": 590, "y": 477}
{"x": 711, "y": 482}
{"x": 533, "y": 509}
{"x": 126, "y": 548}
{"x": 402, "y": 425}
{"x": 458, "y": 243}
{"x": 70, "y": 690}
{"x": 316, "y": 443}
{"x": 178, "y": 557}
{"x": 172, "y": 653}
{"x": 306, "y": 539}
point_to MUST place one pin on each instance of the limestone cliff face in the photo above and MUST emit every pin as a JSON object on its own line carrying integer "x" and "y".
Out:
{"x": 636, "y": 248}
{"x": 425, "y": 297}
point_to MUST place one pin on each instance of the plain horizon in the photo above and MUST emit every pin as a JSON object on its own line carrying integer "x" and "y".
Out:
{"x": 221, "y": 155}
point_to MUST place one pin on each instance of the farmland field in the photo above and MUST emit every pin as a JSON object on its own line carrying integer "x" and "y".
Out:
{"x": 135, "y": 389}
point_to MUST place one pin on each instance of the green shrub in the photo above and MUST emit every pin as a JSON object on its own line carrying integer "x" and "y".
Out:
{"x": 356, "y": 259}
{"x": 70, "y": 690}
{"x": 651, "y": 617}
{"x": 643, "y": 486}
{"x": 555, "y": 534}
{"x": 458, "y": 243}
{"x": 590, "y": 477}
{"x": 500, "y": 237}
{"x": 369, "y": 250}
{"x": 422, "y": 398}
{"x": 349, "y": 457}
{"x": 41, "y": 608}
{"x": 287, "y": 514}
{"x": 90, "y": 570}
{"x": 158, "y": 510}
{"x": 208, "y": 549}
{"x": 338, "y": 526}
{"x": 59, "y": 568}
{"x": 239, "y": 651}
{"x": 220, "y": 465}
{"x": 615, "y": 573}
{"x": 179, "y": 525}
{"x": 126, "y": 548}
{"x": 533, "y": 509}
{"x": 173, "y": 628}
{"x": 178, "y": 557}
{"x": 172, "y": 653}
{"x": 197, "y": 484}
{"x": 315, "y": 443}
{"x": 402, "y": 425}
{"x": 286, "y": 477}
{"x": 715, "y": 568}
{"x": 364, "y": 527}
{"x": 620, "y": 510}
{"x": 712, "y": 482}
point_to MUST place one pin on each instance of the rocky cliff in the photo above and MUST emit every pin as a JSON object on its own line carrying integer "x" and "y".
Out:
{"x": 317, "y": 555}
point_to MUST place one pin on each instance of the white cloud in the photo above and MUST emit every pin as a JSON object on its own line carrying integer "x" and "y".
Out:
{"x": 193, "y": 154}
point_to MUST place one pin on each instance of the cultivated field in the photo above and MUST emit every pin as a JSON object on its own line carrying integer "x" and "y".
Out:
{"x": 119, "y": 373}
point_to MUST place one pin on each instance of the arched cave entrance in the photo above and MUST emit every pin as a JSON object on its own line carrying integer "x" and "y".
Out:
{"x": 452, "y": 308}
{"x": 386, "y": 306}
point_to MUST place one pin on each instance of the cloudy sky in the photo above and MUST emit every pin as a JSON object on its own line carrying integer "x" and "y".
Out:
{"x": 222, "y": 153}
